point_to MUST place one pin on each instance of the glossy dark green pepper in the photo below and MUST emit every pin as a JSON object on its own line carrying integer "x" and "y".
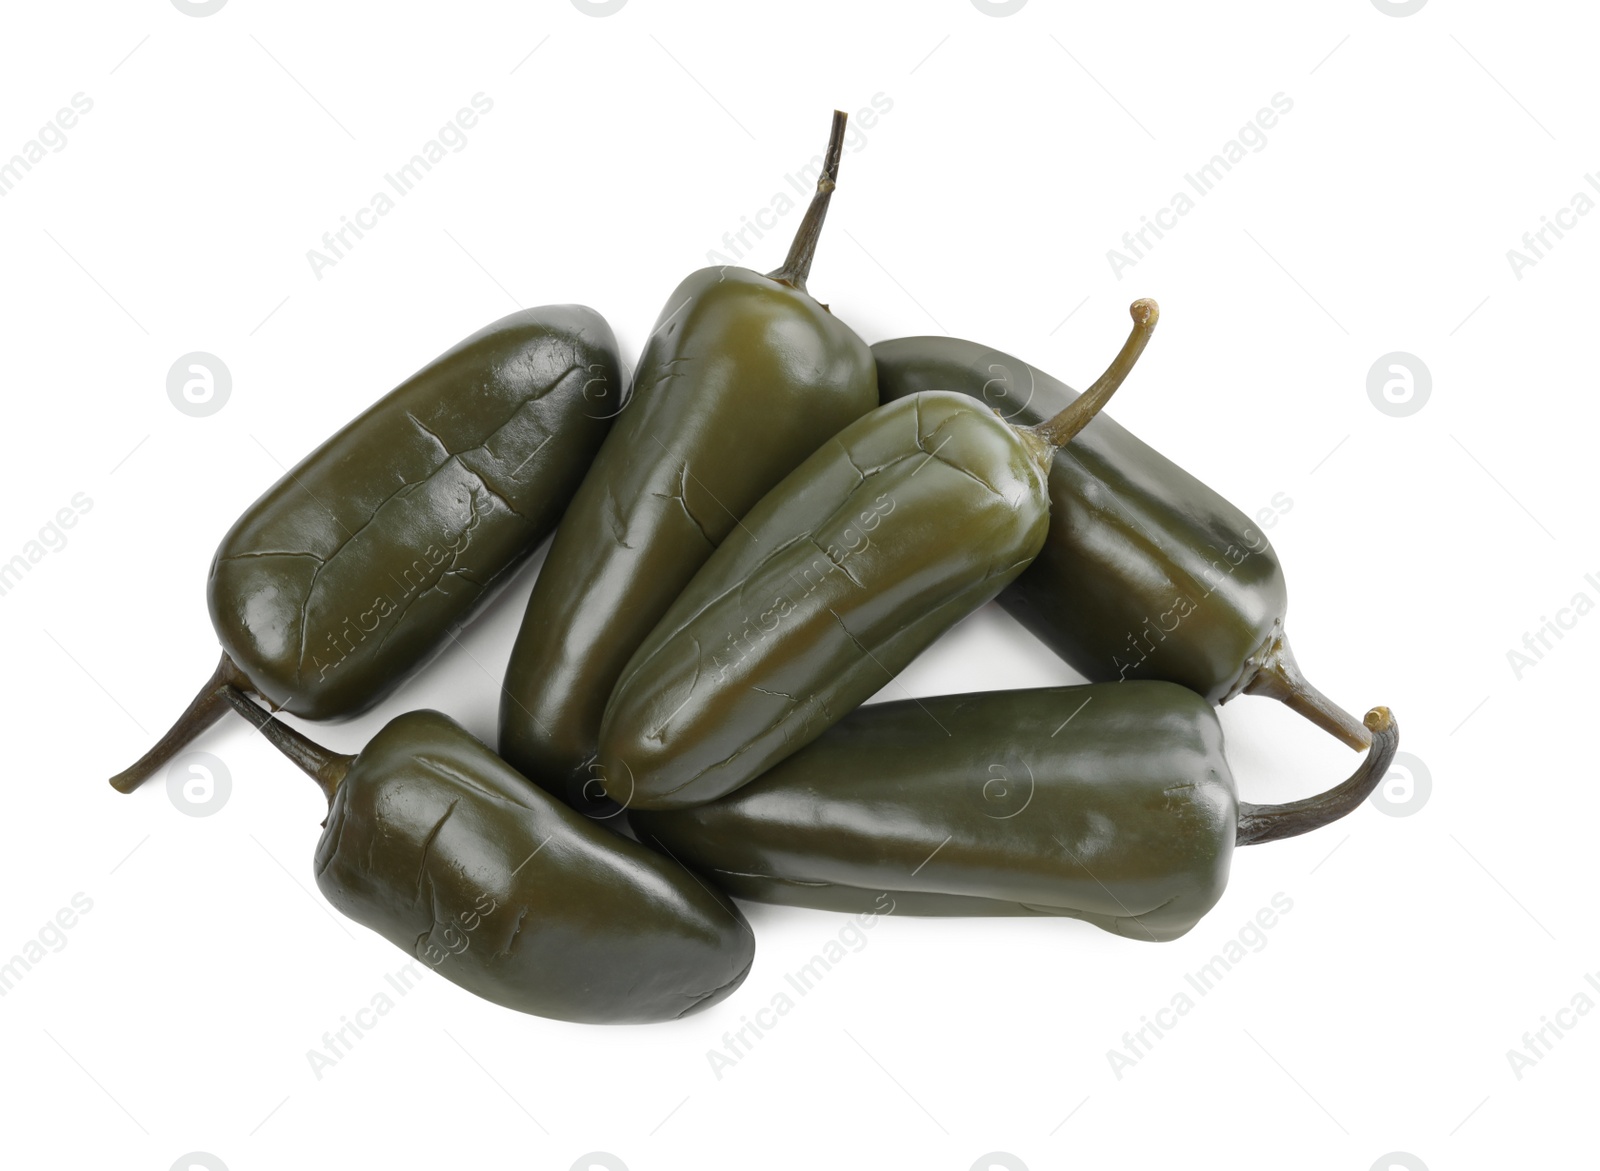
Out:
{"x": 442, "y": 848}
{"x": 910, "y": 519}
{"x": 743, "y": 377}
{"x": 1147, "y": 573}
{"x": 359, "y": 564}
{"x": 1110, "y": 802}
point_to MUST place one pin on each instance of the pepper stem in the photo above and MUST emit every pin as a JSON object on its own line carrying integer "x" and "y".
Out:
{"x": 327, "y": 768}
{"x": 1268, "y": 823}
{"x": 205, "y": 709}
{"x": 797, "y": 266}
{"x": 1279, "y": 678}
{"x": 1059, "y": 430}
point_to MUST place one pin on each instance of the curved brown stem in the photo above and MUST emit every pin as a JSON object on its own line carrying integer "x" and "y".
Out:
{"x": 205, "y": 709}
{"x": 797, "y": 266}
{"x": 322, "y": 765}
{"x": 1059, "y": 430}
{"x": 1268, "y": 823}
{"x": 1279, "y": 678}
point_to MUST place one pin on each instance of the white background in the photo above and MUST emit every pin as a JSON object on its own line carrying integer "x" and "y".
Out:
{"x": 178, "y": 1013}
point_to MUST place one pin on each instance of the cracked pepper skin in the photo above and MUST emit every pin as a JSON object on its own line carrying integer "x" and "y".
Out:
{"x": 1147, "y": 573}
{"x": 355, "y": 568}
{"x": 742, "y": 378}
{"x": 1111, "y": 803}
{"x": 908, "y": 520}
{"x": 439, "y": 846}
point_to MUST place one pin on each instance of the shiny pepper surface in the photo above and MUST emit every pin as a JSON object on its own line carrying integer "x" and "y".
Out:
{"x": 439, "y": 846}
{"x": 743, "y": 377}
{"x": 358, "y": 565}
{"x": 1112, "y": 803}
{"x": 1147, "y": 573}
{"x": 910, "y": 519}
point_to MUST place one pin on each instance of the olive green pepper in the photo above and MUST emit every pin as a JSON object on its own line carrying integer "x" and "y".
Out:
{"x": 439, "y": 846}
{"x": 1147, "y": 573}
{"x": 357, "y": 566}
{"x": 1109, "y": 802}
{"x": 743, "y": 377}
{"x": 910, "y": 519}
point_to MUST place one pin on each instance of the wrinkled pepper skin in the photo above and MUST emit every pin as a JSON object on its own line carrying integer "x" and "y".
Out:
{"x": 439, "y": 846}
{"x": 1111, "y": 803}
{"x": 1147, "y": 573}
{"x": 353, "y": 569}
{"x": 908, "y": 520}
{"x": 742, "y": 379}
{"x": 841, "y": 576}
{"x": 357, "y": 566}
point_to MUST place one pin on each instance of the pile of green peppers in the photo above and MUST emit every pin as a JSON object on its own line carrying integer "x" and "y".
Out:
{"x": 749, "y": 541}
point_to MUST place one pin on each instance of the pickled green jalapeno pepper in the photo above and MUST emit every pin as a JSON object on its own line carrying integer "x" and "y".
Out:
{"x": 908, "y": 520}
{"x": 357, "y": 566}
{"x": 439, "y": 846}
{"x": 1110, "y": 802}
{"x": 743, "y": 377}
{"x": 1147, "y": 573}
